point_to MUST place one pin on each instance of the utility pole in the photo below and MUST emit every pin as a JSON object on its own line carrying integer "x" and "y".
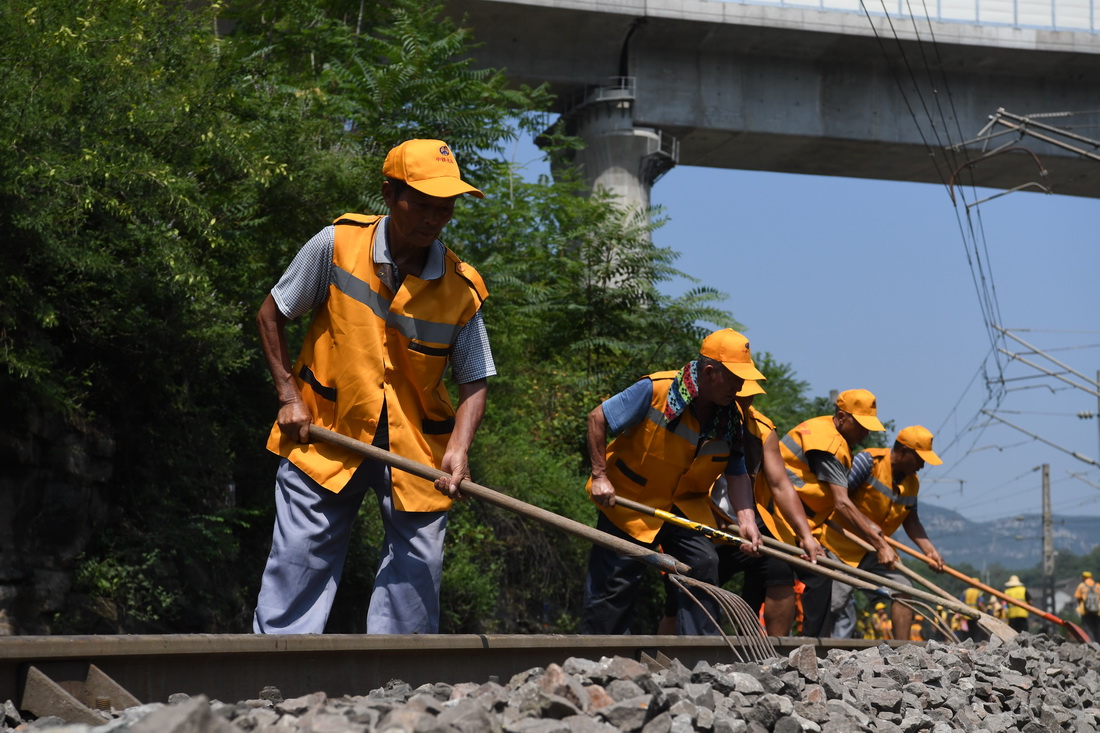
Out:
{"x": 1048, "y": 544}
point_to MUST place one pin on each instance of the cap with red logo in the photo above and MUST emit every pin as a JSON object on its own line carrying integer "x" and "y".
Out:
{"x": 430, "y": 167}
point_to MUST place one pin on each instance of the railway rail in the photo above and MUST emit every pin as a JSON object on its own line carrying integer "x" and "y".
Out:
{"x": 72, "y": 676}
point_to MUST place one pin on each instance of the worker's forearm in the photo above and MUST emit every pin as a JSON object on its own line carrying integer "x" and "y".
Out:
{"x": 862, "y": 525}
{"x": 786, "y": 499}
{"x": 468, "y": 415}
{"x": 739, "y": 490}
{"x": 597, "y": 442}
{"x": 271, "y": 324}
{"x": 924, "y": 545}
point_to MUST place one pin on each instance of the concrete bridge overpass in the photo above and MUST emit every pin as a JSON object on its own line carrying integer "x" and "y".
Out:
{"x": 826, "y": 90}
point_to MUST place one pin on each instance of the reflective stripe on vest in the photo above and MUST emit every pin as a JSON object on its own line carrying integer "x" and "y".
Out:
{"x": 680, "y": 430}
{"x": 662, "y": 464}
{"x": 908, "y": 501}
{"x": 413, "y": 328}
{"x": 757, "y": 428}
{"x": 793, "y": 446}
{"x": 370, "y": 357}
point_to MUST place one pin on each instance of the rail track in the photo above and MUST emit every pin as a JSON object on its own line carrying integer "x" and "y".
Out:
{"x": 71, "y": 676}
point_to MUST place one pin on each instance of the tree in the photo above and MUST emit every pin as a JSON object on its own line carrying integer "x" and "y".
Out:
{"x": 144, "y": 173}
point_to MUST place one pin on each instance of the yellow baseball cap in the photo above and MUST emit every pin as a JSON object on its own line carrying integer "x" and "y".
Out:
{"x": 919, "y": 439}
{"x": 862, "y": 405}
{"x": 430, "y": 167}
{"x": 880, "y": 606}
{"x": 1086, "y": 574}
{"x": 749, "y": 388}
{"x": 732, "y": 349}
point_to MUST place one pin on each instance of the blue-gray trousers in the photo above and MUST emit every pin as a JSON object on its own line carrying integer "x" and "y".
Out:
{"x": 310, "y": 543}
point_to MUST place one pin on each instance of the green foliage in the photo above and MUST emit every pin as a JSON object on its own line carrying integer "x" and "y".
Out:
{"x": 472, "y": 576}
{"x": 133, "y": 585}
{"x": 539, "y": 570}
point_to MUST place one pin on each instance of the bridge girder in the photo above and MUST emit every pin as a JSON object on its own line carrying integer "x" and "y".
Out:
{"x": 759, "y": 87}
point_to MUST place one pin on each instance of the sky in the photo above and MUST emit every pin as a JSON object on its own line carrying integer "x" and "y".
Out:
{"x": 874, "y": 284}
{"x": 859, "y": 283}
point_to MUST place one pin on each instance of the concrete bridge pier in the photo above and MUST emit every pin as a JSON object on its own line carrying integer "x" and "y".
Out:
{"x": 619, "y": 156}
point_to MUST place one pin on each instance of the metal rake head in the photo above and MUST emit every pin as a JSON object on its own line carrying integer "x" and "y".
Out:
{"x": 750, "y": 643}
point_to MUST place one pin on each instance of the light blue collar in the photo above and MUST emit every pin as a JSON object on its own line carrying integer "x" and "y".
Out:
{"x": 433, "y": 268}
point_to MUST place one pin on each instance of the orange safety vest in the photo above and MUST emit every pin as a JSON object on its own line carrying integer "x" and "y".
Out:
{"x": 818, "y": 433}
{"x": 757, "y": 429}
{"x": 368, "y": 347}
{"x": 661, "y": 464}
{"x": 1019, "y": 593}
{"x": 878, "y": 501}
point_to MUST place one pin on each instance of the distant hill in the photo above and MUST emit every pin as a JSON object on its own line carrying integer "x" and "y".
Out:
{"x": 960, "y": 540}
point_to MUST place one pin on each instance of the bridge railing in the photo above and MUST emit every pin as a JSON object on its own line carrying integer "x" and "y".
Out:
{"x": 1062, "y": 15}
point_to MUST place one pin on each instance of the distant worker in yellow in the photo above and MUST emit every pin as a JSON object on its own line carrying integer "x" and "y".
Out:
{"x": 1016, "y": 616}
{"x": 1088, "y": 604}
{"x": 883, "y": 485}
{"x": 818, "y": 455}
{"x": 916, "y": 628}
{"x": 881, "y": 625}
{"x": 969, "y": 628}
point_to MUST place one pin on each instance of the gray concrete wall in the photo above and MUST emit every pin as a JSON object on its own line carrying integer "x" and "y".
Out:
{"x": 806, "y": 91}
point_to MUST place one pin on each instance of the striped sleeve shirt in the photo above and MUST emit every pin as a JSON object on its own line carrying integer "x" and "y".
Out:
{"x": 861, "y": 469}
{"x": 304, "y": 286}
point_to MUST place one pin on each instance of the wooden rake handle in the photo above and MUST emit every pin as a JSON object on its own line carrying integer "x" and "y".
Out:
{"x": 773, "y": 548}
{"x": 658, "y": 560}
{"x": 834, "y": 569}
{"x": 901, "y": 567}
{"x": 1073, "y": 628}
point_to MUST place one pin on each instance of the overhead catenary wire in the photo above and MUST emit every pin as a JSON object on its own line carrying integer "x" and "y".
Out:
{"x": 952, "y": 440}
{"x": 981, "y": 274}
{"x": 1052, "y": 444}
{"x": 930, "y": 118}
{"x": 1091, "y": 382}
{"x": 1053, "y": 330}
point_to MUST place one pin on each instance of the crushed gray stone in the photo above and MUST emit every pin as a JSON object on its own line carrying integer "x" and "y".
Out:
{"x": 1030, "y": 684}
